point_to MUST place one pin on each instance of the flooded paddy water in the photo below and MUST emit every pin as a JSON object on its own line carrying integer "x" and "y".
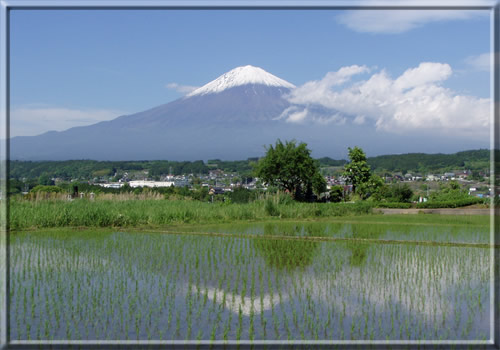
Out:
{"x": 249, "y": 284}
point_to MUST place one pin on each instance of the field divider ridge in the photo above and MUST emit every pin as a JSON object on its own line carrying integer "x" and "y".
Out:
{"x": 324, "y": 239}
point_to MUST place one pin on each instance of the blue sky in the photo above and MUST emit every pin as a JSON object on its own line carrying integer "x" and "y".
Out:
{"x": 77, "y": 67}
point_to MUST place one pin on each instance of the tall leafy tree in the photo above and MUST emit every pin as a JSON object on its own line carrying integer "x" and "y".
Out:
{"x": 289, "y": 166}
{"x": 357, "y": 171}
{"x": 45, "y": 180}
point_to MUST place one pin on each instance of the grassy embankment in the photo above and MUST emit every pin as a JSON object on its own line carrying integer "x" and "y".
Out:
{"x": 151, "y": 210}
{"x": 25, "y": 214}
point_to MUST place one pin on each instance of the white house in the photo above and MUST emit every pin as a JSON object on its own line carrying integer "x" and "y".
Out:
{"x": 144, "y": 183}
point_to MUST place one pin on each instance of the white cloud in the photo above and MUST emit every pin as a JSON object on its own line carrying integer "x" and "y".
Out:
{"x": 360, "y": 119}
{"x": 300, "y": 115}
{"x": 30, "y": 121}
{"x": 183, "y": 89}
{"x": 480, "y": 62}
{"x": 297, "y": 117}
{"x": 336, "y": 119}
{"x": 413, "y": 101}
{"x": 401, "y": 20}
{"x": 425, "y": 73}
{"x": 314, "y": 91}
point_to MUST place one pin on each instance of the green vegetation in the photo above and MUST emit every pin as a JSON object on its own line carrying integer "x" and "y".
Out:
{"x": 454, "y": 203}
{"x": 286, "y": 167}
{"x": 336, "y": 194}
{"x": 478, "y": 161}
{"x": 395, "y": 193}
{"x": 422, "y": 162}
{"x": 421, "y": 220}
{"x": 149, "y": 212}
{"x": 357, "y": 172}
{"x": 189, "y": 264}
{"x": 291, "y": 168}
{"x": 88, "y": 169}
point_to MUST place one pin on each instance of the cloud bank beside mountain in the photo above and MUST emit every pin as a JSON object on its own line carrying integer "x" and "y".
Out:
{"x": 413, "y": 102}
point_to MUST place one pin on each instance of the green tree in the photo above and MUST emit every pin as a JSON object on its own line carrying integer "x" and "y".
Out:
{"x": 318, "y": 183}
{"x": 201, "y": 194}
{"x": 373, "y": 187}
{"x": 476, "y": 176}
{"x": 45, "y": 180}
{"x": 290, "y": 167}
{"x": 357, "y": 171}
{"x": 336, "y": 194}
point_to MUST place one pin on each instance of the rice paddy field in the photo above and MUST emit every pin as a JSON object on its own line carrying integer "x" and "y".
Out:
{"x": 372, "y": 279}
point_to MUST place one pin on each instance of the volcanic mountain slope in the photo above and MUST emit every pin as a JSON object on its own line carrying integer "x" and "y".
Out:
{"x": 231, "y": 116}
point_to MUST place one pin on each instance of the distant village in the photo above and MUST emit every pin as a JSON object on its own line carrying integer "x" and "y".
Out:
{"x": 220, "y": 182}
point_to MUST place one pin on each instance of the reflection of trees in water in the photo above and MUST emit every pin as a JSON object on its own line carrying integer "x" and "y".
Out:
{"x": 358, "y": 253}
{"x": 359, "y": 250}
{"x": 283, "y": 253}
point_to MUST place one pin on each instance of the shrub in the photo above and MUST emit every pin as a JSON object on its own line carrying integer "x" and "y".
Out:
{"x": 401, "y": 193}
{"x": 451, "y": 203}
{"x": 46, "y": 189}
{"x": 398, "y": 205}
{"x": 240, "y": 195}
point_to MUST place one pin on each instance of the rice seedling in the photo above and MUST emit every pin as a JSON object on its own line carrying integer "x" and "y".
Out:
{"x": 121, "y": 285}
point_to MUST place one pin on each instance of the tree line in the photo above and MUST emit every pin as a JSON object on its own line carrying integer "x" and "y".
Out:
{"x": 475, "y": 160}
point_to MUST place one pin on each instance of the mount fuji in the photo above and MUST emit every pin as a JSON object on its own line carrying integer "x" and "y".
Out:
{"x": 232, "y": 117}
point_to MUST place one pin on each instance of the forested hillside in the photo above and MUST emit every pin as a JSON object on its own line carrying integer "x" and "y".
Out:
{"x": 422, "y": 162}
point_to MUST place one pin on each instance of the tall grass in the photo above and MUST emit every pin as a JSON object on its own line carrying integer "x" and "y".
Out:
{"x": 151, "y": 212}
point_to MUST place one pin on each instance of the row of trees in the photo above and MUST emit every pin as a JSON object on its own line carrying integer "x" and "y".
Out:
{"x": 477, "y": 161}
{"x": 88, "y": 169}
{"x": 291, "y": 168}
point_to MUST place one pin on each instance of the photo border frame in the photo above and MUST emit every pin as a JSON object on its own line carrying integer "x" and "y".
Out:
{"x": 6, "y": 6}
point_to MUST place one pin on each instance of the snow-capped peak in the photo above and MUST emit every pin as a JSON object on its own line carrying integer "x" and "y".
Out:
{"x": 241, "y": 76}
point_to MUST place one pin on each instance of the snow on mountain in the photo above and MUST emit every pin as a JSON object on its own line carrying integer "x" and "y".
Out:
{"x": 241, "y": 76}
